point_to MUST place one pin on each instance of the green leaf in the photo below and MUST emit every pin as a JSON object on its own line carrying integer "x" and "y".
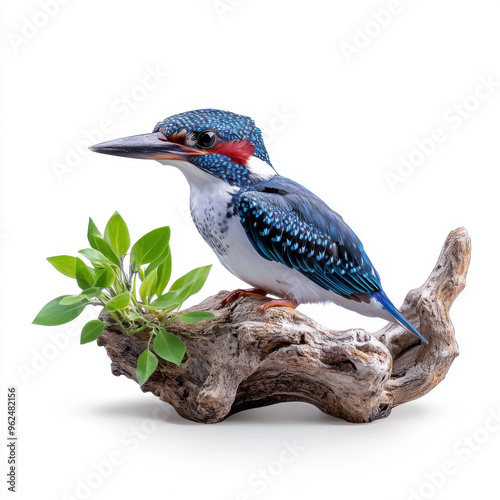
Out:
{"x": 103, "y": 246}
{"x": 146, "y": 365}
{"x": 194, "y": 317}
{"x": 65, "y": 264}
{"x": 117, "y": 235}
{"x": 119, "y": 302}
{"x": 147, "y": 288}
{"x": 85, "y": 295}
{"x": 105, "y": 277}
{"x": 150, "y": 247}
{"x": 119, "y": 286}
{"x": 195, "y": 279}
{"x": 98, "y": 243}
{"x": 184, "y": 287}
{"x": 93, "y": 291}
{"x": 94, "y": 255}
{"x": 164, "y": 272}
{"x": 169, "y": 347}
{"x": 67, "y": 300}
{"x": 191, "y": 283}
{"x": 91, "y": 331}
{"x": 54, "y": 313}
{"x": 84, "y": 276}
{"x": 92, "y": 231}
{"x": 169, "y": 300}
{"x": 160, "y": 260}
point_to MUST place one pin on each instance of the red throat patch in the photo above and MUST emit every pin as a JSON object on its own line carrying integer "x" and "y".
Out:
{"x": 239, "y": 151}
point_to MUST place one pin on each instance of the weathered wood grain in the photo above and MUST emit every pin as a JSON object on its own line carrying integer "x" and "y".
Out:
{"x": 245, "y": 359}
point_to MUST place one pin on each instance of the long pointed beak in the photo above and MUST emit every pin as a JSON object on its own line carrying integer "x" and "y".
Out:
{"x": 147, "y": 146}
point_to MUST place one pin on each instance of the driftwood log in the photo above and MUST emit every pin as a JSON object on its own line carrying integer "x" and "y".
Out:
{"x": 245, "y": 359}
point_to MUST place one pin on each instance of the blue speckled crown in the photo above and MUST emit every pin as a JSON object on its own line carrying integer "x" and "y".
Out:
{"x": 228, "y": 125}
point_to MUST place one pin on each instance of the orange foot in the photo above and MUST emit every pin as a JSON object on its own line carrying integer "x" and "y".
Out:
{"x": 236, "y": 294}
{"x": 278, "y": 303}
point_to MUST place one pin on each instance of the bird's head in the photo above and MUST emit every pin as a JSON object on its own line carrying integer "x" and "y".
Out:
{"x": 222, "y": 144}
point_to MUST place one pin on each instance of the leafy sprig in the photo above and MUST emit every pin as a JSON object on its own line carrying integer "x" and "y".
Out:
{"x": 132, "y": 293}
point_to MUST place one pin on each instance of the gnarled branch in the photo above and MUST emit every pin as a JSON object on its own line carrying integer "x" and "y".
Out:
{"x": 245, "y": 359}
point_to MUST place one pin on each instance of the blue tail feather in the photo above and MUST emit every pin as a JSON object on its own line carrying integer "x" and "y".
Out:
{"x": 384, "y": 301}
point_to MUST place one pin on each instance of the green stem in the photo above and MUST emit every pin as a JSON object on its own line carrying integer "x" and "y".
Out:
{"x": 113, "y": 315}
{"x": 149, "y": 308}
{"x": 150, "y": 337}
{"x": 137, "y": 330}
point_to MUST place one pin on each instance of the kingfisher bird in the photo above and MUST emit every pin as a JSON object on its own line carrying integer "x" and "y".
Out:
{"x": 266, "y": 229}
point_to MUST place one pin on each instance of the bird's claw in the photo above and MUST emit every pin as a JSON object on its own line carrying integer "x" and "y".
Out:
{"x": 277, "y": 303}
{"x": 240, "y": 292}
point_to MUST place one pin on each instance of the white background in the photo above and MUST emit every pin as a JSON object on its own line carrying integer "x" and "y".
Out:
{"x": 334, "y": 123}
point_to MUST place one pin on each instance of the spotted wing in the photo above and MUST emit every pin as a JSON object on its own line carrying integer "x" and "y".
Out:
{"x": 287, "y": 223}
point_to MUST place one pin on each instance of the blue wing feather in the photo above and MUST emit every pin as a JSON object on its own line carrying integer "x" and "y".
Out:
{"x": 287, "y": 223}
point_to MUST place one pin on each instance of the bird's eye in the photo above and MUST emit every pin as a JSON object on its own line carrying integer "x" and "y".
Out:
{"x": 206, "y": 139}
